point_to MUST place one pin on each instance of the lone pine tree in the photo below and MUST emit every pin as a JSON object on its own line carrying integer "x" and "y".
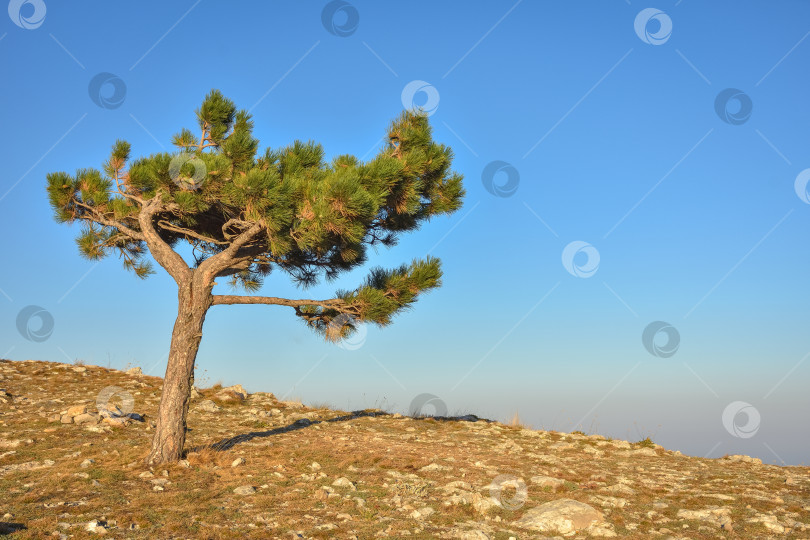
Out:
{"x": 245, "y": 214}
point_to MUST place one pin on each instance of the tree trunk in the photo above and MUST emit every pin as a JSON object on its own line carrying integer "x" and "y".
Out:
{"x": 170, "y": 431}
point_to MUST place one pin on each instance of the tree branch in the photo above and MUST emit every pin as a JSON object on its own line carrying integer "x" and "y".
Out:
{"x": 215, "y": 264}
{"x": 98, "y": 218}
{"x": 188, "y": 232}
{"x": 163, "y": 253}
{"x": 335, "y": 303}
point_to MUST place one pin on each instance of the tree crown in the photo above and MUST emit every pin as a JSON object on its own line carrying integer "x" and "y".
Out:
{"x": 246, "y": 214}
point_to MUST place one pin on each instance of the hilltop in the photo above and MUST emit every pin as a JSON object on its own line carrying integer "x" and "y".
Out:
{"x": 258, "y": 467}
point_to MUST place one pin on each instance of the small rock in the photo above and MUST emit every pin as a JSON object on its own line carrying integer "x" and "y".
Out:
{"x": 744, "y": 459}
{"x": 232, "y": 393}
{"x": 434, "y": 467}
{"x": 238, "y": 461}
{"x": 115, "y": 421}
{"x": 245, "y": 490}
{"x": 422, "y": 513}
{"x": 344, "y": 482}
{"x": 548, "y": 481}
{"x": 86, "y": 418}
{"x": 95, "y": 527}
{"x": 87, "y": 462}
{"x": 134, "y": 371}
{"x": 315, "y": 466}
{"x": 66, "y": 419}
{"x": 208, "y": 406}
{"x": 76, "y": 410}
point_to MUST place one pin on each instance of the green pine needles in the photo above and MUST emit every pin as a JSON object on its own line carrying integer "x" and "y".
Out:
{"x": 251, "y": 213}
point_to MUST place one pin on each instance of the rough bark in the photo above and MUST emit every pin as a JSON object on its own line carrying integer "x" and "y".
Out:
{"x": 194, "y": 299}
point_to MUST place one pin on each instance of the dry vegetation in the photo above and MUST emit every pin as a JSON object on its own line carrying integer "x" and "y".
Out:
{"x": 396, "y": 470}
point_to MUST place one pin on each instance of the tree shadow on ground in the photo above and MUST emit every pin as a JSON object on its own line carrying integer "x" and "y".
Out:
{"x": 227, "y": 444}
{"x": 9, "y": 528}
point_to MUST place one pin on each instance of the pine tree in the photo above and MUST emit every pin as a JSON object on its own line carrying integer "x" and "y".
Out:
{"x": 246, "y": 214}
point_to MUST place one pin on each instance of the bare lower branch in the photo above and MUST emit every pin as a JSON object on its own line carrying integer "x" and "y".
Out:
{"x": 335, "y": 303}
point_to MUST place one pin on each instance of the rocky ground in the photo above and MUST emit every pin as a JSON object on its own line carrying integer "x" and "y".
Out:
{"x": 73, "y": 439}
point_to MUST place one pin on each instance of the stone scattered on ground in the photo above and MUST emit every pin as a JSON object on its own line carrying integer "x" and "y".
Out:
{"x": 289, "y": 472}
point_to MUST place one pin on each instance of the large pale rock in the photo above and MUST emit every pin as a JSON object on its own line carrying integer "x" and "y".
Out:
{"x": 134, "y": 371}
{"x": 562, "y": 516}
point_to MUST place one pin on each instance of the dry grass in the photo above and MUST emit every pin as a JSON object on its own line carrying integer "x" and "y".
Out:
{"x": 377, "y": 455}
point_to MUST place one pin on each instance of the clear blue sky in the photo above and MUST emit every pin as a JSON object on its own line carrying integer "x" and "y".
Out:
{"x": 610, "y": 133}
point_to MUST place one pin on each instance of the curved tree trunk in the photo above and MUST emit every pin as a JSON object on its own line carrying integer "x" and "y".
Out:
{"x": 170, "y": 431}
